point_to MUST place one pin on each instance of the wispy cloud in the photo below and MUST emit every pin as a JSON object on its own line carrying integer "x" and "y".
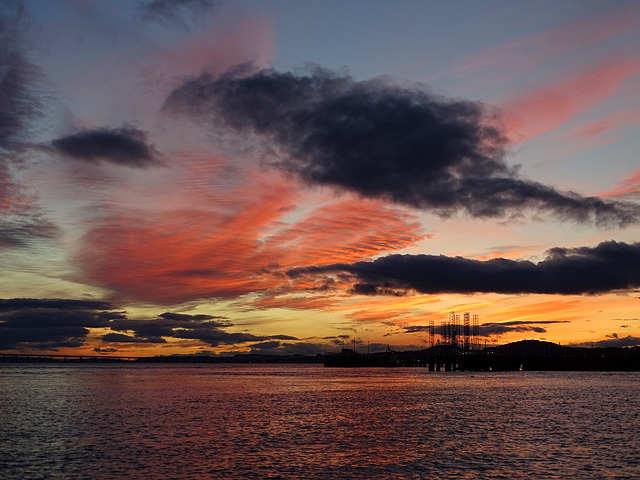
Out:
{"x": 543, "y": 109}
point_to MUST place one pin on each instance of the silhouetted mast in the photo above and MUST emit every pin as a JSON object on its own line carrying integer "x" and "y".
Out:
{"x": 431, "y": 333}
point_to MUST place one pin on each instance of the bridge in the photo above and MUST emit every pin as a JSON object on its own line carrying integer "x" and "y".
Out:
{"x": 62, "y": 358}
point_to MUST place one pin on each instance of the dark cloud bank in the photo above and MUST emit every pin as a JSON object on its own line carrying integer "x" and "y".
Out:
{"x": 207, "y": 328}
{"x": 126, "y": 146}
{"x": 50, "y": 324}
{"x": 386, "y": 140}
{"x": 609, "y": 266}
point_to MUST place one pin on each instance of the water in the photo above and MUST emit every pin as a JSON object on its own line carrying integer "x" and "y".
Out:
{"x": 305, "y": 421}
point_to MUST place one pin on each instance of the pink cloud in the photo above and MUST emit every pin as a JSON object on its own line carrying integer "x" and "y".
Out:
{"x": 629, "y": 187}
{"x": 600, "y": 128}
{"x": 218, "y": 49}
{"x": 546, "y": 108}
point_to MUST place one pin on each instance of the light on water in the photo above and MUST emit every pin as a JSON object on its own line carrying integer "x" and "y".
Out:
{"x": 305, "y": 421}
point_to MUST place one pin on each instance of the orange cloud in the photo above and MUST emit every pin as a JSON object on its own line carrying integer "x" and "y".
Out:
{"x": 532, "y": 309}
{"x": 236, "y": 243}
{"x": 347, "y": 232}
{"x": 512, "y": 254}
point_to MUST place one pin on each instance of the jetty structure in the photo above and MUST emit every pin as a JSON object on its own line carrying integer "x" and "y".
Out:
{"x": 525, "y": 355}
{"x": 458, "y": 349}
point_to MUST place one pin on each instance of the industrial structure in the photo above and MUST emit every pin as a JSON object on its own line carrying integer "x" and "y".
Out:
{"x": 463, "y": 336}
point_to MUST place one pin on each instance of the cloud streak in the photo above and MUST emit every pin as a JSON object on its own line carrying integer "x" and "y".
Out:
{"x": 384, "y": 140}
{"x": 608, "y": 267}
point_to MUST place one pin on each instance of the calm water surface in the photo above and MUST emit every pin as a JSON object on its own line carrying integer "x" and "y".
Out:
{"x": 305, "y": 421}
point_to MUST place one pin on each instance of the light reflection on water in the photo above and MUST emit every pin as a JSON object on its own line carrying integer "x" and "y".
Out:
{"x": 305, "y": 421}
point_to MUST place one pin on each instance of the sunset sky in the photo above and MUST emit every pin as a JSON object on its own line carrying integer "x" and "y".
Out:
{"x": 212, "y": 177}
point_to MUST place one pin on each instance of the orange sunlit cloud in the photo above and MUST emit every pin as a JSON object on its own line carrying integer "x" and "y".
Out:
{"x": 181, "y": 254}
{"x": 511, "y": 254}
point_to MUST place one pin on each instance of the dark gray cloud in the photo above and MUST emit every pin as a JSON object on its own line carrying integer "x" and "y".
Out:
{"x": 216, "y": 336}
{"x": 385, "y": 140}
{"x": 369, "y": 289}
{"x": 171, "y": 325}
{"x": 183, "y": 317}
{"x": 338, "y": 339}
{"x": 122, "y": 338}
{"x": 613, "y": 341}
{"x": 49, "y": 324}
{"x": 206, "y": 328}
{"x": 20, "y": 102}
{"x": 610, "y": 266}
{"x": 17, "y": 304}
{"x": 269, "y": 346}
{"x": 272, "y": 347}
{"x": 416, "y": 328}
{"x": 176, "y": 13}
{"x": 105, "y": 351}
{"x": 525, "y": 322}
{"x": 284, "y": 337}
{"x": 126, "y": 146}
{"x": 489, "y": 329}
{"x": 42, "y": 338}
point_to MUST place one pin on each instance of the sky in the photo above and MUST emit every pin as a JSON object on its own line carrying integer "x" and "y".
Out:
{"x": 212, "y": 177}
